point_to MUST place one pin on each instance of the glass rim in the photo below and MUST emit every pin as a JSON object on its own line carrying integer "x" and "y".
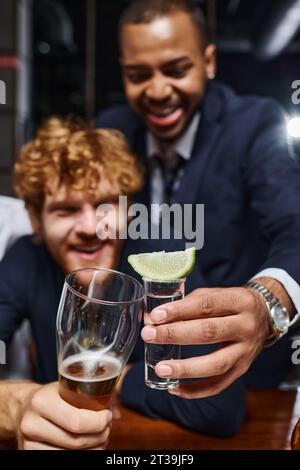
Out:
{"x": 105, "y": 302}
{"x": 166, "y": 281}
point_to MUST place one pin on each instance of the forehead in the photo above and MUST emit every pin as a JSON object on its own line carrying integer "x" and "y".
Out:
{"x": 65, "y": 194}
{"x": 161, "y": 39}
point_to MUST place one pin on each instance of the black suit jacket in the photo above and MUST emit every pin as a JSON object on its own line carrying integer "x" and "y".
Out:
{"x": 241, "y": 170}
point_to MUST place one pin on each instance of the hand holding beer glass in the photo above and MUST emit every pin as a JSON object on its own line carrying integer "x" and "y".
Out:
{"x": 98, "y": 321}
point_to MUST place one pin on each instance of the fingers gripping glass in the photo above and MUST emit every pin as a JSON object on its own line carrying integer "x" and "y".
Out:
{"x": 98, "y": 321}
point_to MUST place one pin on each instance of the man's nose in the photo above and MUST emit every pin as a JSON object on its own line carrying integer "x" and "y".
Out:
{"x": 159, "y": 89}
{"x": 87, "y": 222}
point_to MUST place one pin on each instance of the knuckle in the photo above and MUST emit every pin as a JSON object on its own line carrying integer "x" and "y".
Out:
{"x": 196, "y": 292}
{"x": 181, "y": 370}
{"x": 248, "y": 329}
{"x": 169, "y": 334}
{"x": 75, "y": 424}
{"x": 172, "y": 309}
{"x": 252, "y": 299}
{"x": 78, "y": 442}
{"x": 209, "y": 330}
{"x": 221, "y": 366}
{"x": 206, "y": 304}
{"x": 26, "y": 425}
{"x": 37, "y": 401}
{"x": 103, "y": 423}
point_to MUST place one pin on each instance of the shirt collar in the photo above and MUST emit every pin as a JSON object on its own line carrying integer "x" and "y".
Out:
{"x": 183, "y": 146}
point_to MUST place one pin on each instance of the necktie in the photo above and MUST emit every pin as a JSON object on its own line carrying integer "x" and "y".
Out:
{"x": 169, "y": 166}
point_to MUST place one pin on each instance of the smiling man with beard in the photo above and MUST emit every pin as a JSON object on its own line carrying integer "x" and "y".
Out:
{"x": 63, "y": 175}
{"x": 204, "y": 144}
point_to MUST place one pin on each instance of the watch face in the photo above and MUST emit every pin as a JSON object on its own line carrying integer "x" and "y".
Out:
{"x": 281, "y": 317}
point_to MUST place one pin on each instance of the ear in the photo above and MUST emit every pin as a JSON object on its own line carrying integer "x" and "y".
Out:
{"x": 35, "y": 220}
{"x": 210, "y": 61}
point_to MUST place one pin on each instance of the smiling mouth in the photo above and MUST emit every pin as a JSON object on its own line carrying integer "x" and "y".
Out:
{"x": 88, "y": 251}
{"x": 166, "y": 117}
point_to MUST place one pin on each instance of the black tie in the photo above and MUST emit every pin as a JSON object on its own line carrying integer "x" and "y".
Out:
{"x": 170, "y": 171}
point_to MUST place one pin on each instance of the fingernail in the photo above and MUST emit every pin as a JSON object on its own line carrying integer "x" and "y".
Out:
{"x": 174, "y": 391}
{"x": 164, "y": 370}
{"x": 149, "y": 333}
{"x": 158, "y": 315}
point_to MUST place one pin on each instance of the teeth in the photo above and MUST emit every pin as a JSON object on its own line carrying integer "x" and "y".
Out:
{"x": 163, "y": 113}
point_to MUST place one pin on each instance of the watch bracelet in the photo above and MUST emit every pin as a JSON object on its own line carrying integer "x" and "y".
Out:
{"x": 270, "y": 301}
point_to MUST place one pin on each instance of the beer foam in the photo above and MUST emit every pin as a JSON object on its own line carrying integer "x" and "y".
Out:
{"x": 90, "y": 361}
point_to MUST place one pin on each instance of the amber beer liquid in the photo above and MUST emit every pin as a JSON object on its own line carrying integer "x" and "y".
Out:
{"x": 87, "y": 380}
{"x": 295, "y": 443}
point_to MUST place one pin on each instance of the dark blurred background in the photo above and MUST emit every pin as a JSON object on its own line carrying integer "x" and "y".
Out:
{"x": 61, "y": 57}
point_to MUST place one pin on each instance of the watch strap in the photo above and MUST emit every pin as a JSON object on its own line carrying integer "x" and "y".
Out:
{"x": 273, "y": 304}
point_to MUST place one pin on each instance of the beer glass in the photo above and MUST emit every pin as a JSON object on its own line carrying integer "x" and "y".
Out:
{"x": 295, "y": 440}
{"x": 98, "y": 321}
{"x": 158, "y": 293}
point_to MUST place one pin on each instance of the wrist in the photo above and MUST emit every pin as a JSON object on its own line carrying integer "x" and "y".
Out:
{"x": 263, "y": 313}
{"x": 278, "y": 290}
{"x": 18, "y": 396}
{"x": 279, "y": 318}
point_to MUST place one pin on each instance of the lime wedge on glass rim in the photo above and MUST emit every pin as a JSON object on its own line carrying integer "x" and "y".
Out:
{"x": 162, "y": 265}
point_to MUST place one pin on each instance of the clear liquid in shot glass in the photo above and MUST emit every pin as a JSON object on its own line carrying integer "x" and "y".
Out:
{"x": 155, "y": 353}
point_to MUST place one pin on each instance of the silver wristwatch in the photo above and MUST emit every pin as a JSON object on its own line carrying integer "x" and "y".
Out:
{"x": 278, "y": 314}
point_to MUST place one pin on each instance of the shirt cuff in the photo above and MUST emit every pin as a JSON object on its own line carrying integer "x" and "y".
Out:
{"x": 290, "y": 285}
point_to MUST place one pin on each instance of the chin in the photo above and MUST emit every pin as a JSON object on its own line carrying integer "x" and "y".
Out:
{"x": 103, "y": 262}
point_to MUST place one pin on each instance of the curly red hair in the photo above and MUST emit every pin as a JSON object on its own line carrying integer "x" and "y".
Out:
{"x": 74, "y": 154}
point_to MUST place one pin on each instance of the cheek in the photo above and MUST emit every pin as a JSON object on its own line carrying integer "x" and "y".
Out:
{"x": 56, "y": 231}
{"x": 194, "y": 89}
{"x": 133, "y": 93}
{"x": 193, "y": 85}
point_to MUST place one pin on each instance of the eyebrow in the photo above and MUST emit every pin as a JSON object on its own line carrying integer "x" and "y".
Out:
{"x": 53, "y": 206}
{"x": 170, "y": 63}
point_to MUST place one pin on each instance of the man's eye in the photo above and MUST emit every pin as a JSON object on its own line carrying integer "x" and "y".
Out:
{"x": 177, "y": 73}
{"x": 65, "y": 211}
{"x": 137, "y": 77}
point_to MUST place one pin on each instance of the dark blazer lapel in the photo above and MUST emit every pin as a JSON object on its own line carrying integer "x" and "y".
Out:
{"x": 209, "y": 127}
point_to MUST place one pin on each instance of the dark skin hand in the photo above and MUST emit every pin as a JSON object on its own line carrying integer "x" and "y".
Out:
{"x": 236, "y": 318}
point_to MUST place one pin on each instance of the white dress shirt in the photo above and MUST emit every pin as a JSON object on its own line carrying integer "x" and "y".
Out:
{"x": 14, "y": 222}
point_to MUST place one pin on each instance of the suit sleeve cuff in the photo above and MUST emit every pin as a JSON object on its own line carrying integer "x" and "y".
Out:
{"x": 290, "y": 285}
